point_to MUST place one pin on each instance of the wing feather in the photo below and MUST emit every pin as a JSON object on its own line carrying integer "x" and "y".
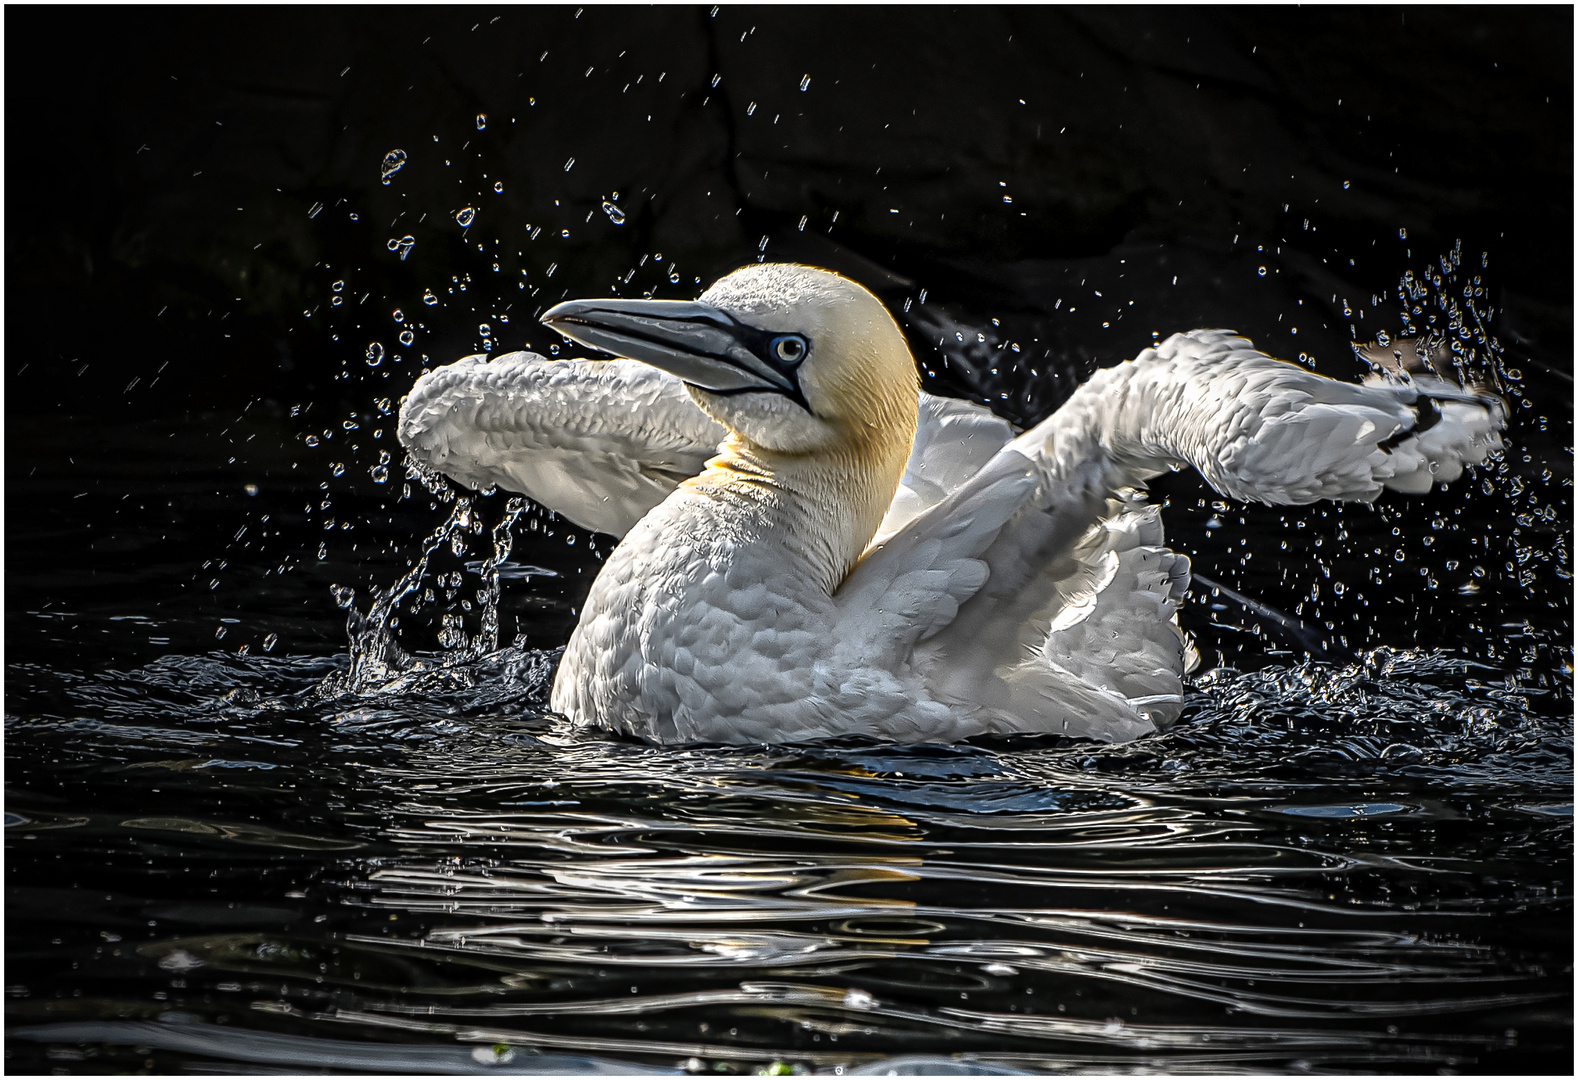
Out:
{"x": 600, "y": 441}
{"x": 1053, "y": 605}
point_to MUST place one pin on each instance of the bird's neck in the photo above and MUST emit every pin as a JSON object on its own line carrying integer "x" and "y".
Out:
{"x": 824, "y": 508}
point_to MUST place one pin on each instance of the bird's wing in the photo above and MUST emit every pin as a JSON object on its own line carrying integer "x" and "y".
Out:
{"x": 599, "y": 441}
{"x": 983, "y": 591}
{"x": 953, "y": 441}
{"x": 1100, "y": 620}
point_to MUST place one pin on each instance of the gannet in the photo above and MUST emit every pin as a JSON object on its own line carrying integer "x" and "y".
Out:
{"x": 814, "y": 547}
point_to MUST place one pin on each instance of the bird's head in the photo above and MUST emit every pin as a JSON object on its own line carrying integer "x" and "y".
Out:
{"x": 792, "y": 359}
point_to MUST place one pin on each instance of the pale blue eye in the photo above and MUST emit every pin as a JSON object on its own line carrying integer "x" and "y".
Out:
{"x": 789, "y": 349}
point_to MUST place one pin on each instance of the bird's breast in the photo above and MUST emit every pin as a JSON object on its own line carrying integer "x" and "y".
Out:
{"x": 702, "y": 613}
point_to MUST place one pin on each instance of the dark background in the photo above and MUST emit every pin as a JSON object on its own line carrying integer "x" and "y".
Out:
{"x": 198, "y": 245}
{"x": 165, "y": 164}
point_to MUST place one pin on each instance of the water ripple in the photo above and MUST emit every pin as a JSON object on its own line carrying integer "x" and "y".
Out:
{"x": 1274, "y": 884}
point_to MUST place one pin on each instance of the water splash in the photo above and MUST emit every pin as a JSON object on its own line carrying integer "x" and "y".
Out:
{"x": 1447, "y": 313}
{"x": 393, "y": 162}
{"x": 379, "y": 663}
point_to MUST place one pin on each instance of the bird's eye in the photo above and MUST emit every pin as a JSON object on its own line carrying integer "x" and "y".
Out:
{"x": 789, "y": 349}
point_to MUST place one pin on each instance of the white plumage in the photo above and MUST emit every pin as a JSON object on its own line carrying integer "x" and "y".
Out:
{"x": 860, "y": 558}
{"x": 601, "y": 442}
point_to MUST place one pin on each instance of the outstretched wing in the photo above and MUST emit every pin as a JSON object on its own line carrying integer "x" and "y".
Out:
{"x": 1002, "y": 613}
{"x": 600, "y": 441}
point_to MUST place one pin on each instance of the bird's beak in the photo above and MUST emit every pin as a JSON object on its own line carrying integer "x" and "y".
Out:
{"x": 704, "y": 345}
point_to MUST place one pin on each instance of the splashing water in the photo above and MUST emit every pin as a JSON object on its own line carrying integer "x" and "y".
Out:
{"x": 379, "y": 664}
{"x": 393, "y": 162}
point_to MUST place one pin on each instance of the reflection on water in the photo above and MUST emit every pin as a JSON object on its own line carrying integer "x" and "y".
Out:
{"x": 1320, "y": 868}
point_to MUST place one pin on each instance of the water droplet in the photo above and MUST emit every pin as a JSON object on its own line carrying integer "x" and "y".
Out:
{"x": 1402, "y": 234}
{"x": 394, "y": 161}
{"x": 403, "y": 246}
{"x": 399, "y": 316}
{"x": 312, "y": 440}
{"x": 465, "y": 216}
{"x": 337, "y": 286}
{"x": 407, "y": 337}
{"x": 269, "y": 642}
{"x": 337, "y": 301}
{"x": 338, "y": 468}
{"x": 498, "y": 187}
{"x": 564, "y": 234}
{"x": 375, "y": 354}
{"x": 673, "y": 276}
{"x": 1261, "y": 271}
{"x": 616, "y": 215}
{"x": 1345, "y": 185}
{"x": 428, "y": 298}
{"x": 379, "y": 473}
{"x": 750, "y": 110}
{"x": 482, "y": 121}
{"x": 568, "y": 165}
{"x": 483, "y": 329}
{"x": 250, "y": 489}
{"x": 323, "y": 551}
{"x": 805, "y": 83}
{"x": 344, "y": 595}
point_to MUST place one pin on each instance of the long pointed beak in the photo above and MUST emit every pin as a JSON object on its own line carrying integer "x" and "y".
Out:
{"x": 704, "y": 345}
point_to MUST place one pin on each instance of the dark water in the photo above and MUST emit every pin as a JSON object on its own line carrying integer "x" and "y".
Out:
{"x": 235, "y": 843}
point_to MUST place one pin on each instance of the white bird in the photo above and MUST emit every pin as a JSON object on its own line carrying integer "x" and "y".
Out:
{"x": 813, "y": 548}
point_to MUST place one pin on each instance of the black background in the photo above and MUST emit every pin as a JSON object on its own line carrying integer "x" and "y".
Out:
{"x": 164, "y": 166}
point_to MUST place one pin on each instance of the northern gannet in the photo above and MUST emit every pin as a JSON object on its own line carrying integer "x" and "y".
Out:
{"x": 813, "y": 547}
